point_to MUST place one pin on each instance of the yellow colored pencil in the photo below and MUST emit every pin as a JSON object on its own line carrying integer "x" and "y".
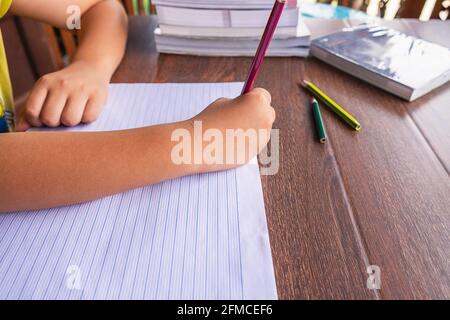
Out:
{"x": 344, "y": 115}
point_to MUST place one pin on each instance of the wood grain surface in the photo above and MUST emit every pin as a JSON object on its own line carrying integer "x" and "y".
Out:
{"x": 378, "y": 197}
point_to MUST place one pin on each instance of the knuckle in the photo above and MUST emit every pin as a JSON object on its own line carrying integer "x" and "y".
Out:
{"x": 32, "y": 113}
{"x": 221, "y": 100}
{"x": 49, "y": 121}
{"x": 69, "y": 121}
{"x": 89, "y": 117}
{"x": 45, "y": 80}
{"x": 82, "y": 88}
{"x": 256, "y": 100}
{"x": 64, "y": 84}
{"x": 262, "y": 95}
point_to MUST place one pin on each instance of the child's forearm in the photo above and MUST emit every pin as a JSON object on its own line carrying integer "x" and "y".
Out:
{"x": 50, "y": 169}
{"x": 44, "y": 169}
{"x": 103, "y": 37}
{"x": 103, "y": 28}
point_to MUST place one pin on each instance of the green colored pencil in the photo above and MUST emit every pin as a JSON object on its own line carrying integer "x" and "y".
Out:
{"x": 319, "y": 121}
{"x": 344, "y": 115}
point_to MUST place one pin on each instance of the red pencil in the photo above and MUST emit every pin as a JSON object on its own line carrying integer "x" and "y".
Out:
{"x": 264, "y": 44}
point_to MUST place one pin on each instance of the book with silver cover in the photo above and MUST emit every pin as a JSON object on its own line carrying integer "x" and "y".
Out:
{"x": 406, "y": 66}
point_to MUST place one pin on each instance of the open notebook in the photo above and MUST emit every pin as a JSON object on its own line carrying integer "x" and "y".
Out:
{"x": 197, "y": 237}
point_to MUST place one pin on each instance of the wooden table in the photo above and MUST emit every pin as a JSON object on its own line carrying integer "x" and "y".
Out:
{"x": 379, "y": 197}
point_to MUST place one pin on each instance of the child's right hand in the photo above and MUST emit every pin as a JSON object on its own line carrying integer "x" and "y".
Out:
{"x": 250, "y": 111}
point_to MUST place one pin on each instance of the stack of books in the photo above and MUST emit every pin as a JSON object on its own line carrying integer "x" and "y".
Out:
{"x": 228, "y": 28}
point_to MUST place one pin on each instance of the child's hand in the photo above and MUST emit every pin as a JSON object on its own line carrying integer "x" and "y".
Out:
{"x": 251, "y": 111}
{"x": 73, "y": 95}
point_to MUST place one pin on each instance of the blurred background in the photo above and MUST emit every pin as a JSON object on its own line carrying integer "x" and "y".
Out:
{"x": 388, "y": 9}
{"x": 34, "y": 49}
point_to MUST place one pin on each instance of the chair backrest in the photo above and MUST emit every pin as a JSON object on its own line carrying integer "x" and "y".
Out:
{"x": 129, "y": 6}
{"x": 138, "y": 7}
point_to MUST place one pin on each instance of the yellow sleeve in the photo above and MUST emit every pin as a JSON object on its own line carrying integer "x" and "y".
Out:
{"x": 4, "y": 6}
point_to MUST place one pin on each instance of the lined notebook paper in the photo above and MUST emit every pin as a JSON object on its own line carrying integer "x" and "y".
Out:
{"x": 197, "y": 237}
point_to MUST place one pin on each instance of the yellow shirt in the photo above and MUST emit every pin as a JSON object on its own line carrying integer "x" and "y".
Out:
{"x": 6, "y": 96}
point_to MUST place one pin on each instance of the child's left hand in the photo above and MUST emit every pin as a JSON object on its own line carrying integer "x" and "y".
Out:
{"x": 73, "y": 95}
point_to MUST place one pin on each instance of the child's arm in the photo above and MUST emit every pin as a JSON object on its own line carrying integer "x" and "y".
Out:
{"x": 41, "y": 170}
{"x": 76, "y": 93}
